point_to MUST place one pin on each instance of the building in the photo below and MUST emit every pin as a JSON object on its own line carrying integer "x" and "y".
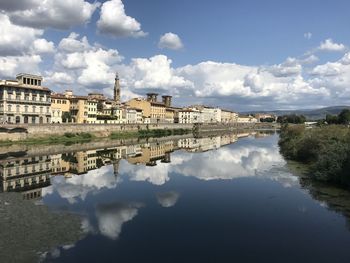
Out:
{"x": 154, "y": 111}
{"x": 261, "y": 117}
{"x": 133, "y": 115}
{"x": 24, "y": 100}
{"x": 246, "y": 119}
{"x": 189, "y": 116}
{"x": 60, "y": 106}
{"x": 91, "y": 111}
{"x": 26, "y": 175}
{"x": 158, "y": 108}
{"x": 228, "y": 116}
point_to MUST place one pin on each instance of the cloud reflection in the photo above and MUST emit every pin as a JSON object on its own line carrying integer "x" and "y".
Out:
{"x": 79, "y": 186}
{"x": 111, "y": 217}
{"x": 167, "y": 199}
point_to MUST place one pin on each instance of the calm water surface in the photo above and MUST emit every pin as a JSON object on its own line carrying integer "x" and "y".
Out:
{"x": 216, "y": 199}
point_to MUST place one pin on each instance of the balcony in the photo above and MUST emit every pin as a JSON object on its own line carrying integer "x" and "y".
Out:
{"x": 28, "y": 101}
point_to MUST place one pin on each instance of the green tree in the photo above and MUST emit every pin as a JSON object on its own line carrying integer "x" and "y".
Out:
{"x": 332, "y": 119}
{"x": 344, "y": 117}
{"x": 66, "y": 116}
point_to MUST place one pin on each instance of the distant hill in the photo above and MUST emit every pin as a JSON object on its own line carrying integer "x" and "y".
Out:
{"x": 310, "y": 114}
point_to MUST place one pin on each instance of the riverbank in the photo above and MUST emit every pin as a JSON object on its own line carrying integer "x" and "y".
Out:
{"x": 52, "y": 133}
{"x": 84, "y": 137}
{"x": 325, "y": 150}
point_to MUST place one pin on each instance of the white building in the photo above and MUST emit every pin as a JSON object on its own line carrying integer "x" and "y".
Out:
{"x": 24, "y": 100}
{"x": 189, "y": 116}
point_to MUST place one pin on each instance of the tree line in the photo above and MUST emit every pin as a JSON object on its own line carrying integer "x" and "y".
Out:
{"x": 342, "y": 118}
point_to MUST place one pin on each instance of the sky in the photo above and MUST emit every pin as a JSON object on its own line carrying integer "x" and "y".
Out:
{"x": 244, "y": 55}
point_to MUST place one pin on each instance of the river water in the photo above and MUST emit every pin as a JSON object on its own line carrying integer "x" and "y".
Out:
{"x": 228, "y": 198}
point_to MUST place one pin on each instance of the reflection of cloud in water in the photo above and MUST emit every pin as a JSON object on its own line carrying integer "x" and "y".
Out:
{"x": 111, "y": 217}
{"x": 80, "y": 185}
{"x": 157, "y": 175}
{"x": 168, "y": 199}
{"x": 229, "y": 163}
{"x": 252, "y": 158}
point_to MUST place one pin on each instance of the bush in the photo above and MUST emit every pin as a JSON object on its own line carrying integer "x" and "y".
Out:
{"x": 326, "y": 149}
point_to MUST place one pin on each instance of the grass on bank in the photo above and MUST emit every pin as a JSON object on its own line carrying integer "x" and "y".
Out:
{"x": 326, "y": 151}
{"x": 68, "y": 137}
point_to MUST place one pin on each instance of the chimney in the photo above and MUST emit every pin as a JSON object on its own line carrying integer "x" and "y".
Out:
{"x": 152, "y": 97}
{"x": 68, "y": 93}
{"x": 167, "y": 100}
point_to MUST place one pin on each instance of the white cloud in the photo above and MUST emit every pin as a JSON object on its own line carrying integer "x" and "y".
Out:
{"x": 308, "y": 35}
{"x": 12, "y": 65}
{"x": 328, "y": 69}
{"x": 59, "y": 78}
{"x": 309, "y": 59}
{"x": 15, "y": 5}
{"x": 43, "y": 46}
{"x": 155, "y": 72}
{"x": 329, "y": 45}
{"x": 16, "y": 40}
{"x": 90, "y": 66}
{"x": 114, "y": 22}
{"x": 290, "y": 67}
{"x": 170, "y": 41}
{"x": 54, "y": 14}
{"x": 73, "y": 44}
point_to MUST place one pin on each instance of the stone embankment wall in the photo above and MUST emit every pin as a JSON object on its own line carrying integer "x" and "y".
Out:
{"x": 23, "y": 132}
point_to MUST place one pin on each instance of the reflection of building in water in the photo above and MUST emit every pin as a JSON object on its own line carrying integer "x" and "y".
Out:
{"x": 30, "y": 174}
{"x": 152, "y": 152}
{"x": 200, "y": 144}
{"x": 26, "y": 175}
{"x": 210, "y": 143}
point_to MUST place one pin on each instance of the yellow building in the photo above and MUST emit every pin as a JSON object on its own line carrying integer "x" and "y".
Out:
{"x": 59, "y": 105}
{"x": 170, "y": 115}
{"x": 157, "y": 112}
{"x": 142, "y": 104}
{"x": 79, "y": 109}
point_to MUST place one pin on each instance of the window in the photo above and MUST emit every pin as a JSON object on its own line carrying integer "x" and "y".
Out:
{"x": 17, "y": 108}
{"x": 9, "y": 107}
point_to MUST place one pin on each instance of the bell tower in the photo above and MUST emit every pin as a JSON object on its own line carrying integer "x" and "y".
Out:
{"x": 116, "y": 90}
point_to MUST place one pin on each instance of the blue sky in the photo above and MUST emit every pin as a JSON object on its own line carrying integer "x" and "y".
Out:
{"x": 242, "y": 55}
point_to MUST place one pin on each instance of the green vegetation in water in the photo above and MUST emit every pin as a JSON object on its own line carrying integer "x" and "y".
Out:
{"x": 68, "y": 137}
{"x": 326, "y": 151}
{"x": 149, "y": 133}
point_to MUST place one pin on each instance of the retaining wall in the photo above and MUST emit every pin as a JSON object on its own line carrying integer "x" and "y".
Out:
{"x": 22, "y": 132}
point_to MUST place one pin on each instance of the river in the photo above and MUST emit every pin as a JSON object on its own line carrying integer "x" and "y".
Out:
{"x": 222, "y": 198}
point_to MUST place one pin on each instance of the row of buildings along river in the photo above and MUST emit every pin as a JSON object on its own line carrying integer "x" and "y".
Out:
{"x": 26, "y": 101}
{"x": 28, "y": 172}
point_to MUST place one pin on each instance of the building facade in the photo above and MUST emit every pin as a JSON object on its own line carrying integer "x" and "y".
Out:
{"x": 24, "y": 100}
{"x": 189, "y": 116}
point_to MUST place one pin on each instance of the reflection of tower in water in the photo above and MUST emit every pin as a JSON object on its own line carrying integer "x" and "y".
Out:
{"x": 115, "y": 163}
